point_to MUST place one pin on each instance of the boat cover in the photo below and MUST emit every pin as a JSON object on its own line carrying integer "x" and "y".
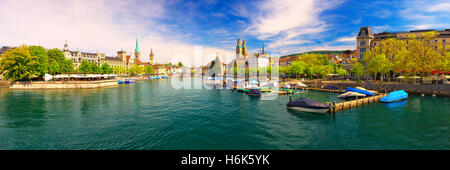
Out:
{"x": 359, "y": 91}
{"x": 307, "y": 103}
{"x": 331, "y": 87}
{"x": 254, "y": 92}
{"x": 395, "y": 96}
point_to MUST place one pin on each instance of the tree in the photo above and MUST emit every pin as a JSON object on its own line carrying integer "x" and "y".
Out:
{"x": 180, "y": 64}
{"x": 136, "y": 69}
{"x": 66, "y": 66}
{"x": 379, "y": 64}
{"x": 119, "y": 70}
{"x": 358, "y": 69}
{"x": 54, "y": 69}
{"x": 424, "y": 52}
{"x": 40, "y": 52}
{"x": 148, "y": 69}
{"x": 84, "y": 67}
{"x": 341, "y": 71}
{"x": 19, "y": 64}
{"x": 106, "y": 69}
{"x": 94, "y": 68}
{"x": 55, "y": 55}
{"x": 298, "y": 68}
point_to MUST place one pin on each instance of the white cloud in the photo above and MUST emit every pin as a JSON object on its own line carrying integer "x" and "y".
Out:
{"x": 439, "y": 7}
{"x": 287, "y": 22}
{"x": 97, "y": 25}
{"x": 346, "y": 39}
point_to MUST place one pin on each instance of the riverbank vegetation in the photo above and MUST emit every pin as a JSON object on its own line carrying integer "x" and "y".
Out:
{"x": 33, "y": 62}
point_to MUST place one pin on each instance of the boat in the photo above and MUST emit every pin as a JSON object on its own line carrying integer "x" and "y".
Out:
{"x": 398, "y": 95}
{"x": 372, "y": 91}
{"x": 351, "y": 95}
{"x": 308, "y": 105}
{"x": 367, "y": 93}
{"x": 286, "y": 86}
{"x": 128, "y": 81}
{"x": 254, "y": 92}
{"x": 120, "y": 82}
{"x": 331, "y": 88}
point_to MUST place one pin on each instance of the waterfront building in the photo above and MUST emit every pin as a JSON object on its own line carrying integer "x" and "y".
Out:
{"x": 366, "y": 39}
{"x": 77, "y": 56}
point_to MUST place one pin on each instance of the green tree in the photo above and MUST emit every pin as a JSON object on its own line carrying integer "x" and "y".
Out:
{"x": 40, "y": 52}
{"x": 180, "y": 64}
{"x": 94, "y": 68}
{"x": 298, "y": 68}
{"x": 106, "y": 69}
{"x": 341, "y": 71}
{"x": 379, "y": 64}
{"x": 19, "y": 64}
{"x": 148, "y": 69}
{"x": 55, "y": 55}
{"x": 84, "y": 67}
{"x": 66, "y": 66}
{"x": 119, "y": 70}
{"x": 54, "y": 68}
{"x": 136, "y": 69}
{"x": 358, "y": 69}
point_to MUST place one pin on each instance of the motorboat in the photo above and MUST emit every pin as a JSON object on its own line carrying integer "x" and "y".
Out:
{"x": 308, "y": 105}
{"x": 286, "y": 86}
{"x": 128, "y": 81}
{"x": 398, "y": 95}
{"x": 254, "y": 92}
{"x": 367, "y": 93}
{"x": 120, "y": 81}
{"x": 351, "y": 95}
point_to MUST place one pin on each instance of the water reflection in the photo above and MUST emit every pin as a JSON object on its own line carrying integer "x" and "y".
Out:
{"x": 397, "y": 105}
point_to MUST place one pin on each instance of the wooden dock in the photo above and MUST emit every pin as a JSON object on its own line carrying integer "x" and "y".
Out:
{"x": 336, "y": 107}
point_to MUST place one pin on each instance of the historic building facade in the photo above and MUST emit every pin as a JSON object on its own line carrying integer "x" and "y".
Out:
{"x": 366, "y": 39}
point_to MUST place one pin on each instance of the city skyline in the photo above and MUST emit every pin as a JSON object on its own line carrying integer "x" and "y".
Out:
{"x": 175, "y": 27}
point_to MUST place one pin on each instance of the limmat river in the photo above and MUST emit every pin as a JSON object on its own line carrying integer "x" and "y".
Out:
{"x": 153, "y": 115}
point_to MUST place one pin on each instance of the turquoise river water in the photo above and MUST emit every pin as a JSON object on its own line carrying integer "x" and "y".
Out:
{"x": 153, "y": 115}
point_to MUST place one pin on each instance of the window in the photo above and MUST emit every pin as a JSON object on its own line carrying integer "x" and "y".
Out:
{"x": 362, "y": 43}
{"x": 374, "y": 44}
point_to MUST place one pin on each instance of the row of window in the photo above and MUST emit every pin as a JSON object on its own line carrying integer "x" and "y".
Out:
{"x": 363, "y": 43}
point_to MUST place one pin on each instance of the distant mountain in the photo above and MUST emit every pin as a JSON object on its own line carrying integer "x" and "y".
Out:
{"x": 331, "y": 52}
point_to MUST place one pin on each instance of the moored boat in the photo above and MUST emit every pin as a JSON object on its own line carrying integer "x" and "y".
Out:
{"x": 308, "y": 105}
{"x": 395, "y": 96}
{"x": 254, "y": 92}
{"x": 367, "y": 93}
{"x": 351, "y": 95}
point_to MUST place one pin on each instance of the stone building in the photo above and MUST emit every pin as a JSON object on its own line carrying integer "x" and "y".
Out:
{"x": 366, "y": 39}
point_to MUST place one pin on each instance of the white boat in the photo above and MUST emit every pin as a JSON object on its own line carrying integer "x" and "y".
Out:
{"x": 351, "y": 95}
{"x": 371, "y": 91}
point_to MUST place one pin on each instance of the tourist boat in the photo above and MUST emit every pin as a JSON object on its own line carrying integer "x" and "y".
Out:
{"x": 398, "y": 95}
{"x": 254, "y": 92}
{"x": 351, "y": 95}
{"x": 308, "y": 105}
{"x": 367, "y": 93}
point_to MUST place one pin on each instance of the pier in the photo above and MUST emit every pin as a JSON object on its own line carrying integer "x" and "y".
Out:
{"x": 336, "y": 107}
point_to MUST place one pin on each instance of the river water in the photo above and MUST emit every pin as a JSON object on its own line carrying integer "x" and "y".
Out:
{"x": 153, "y": 115}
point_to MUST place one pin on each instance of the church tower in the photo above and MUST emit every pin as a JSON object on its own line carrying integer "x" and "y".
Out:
{"x": 238, "y": 48}
{"x": 66, "y": 47}
{"x": 244, "y": 49}
{"x": 151, "y": 57}
{"x": 363, "y": 41}
{"x": 137, "y": 52}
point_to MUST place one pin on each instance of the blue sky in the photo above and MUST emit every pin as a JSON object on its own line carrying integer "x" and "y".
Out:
{"x": 174, "y": 27}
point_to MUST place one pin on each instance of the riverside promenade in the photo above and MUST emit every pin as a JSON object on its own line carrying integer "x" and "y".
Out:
{"x": 62, "y": 84}
{"x": 385, "y": 87}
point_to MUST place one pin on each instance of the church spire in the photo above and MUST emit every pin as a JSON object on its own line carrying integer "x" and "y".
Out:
{"x": 263, "y": 47}
{"x": 137, "y": 44}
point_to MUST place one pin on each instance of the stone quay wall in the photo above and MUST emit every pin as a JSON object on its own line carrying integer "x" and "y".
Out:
{"x": 427, "y": 89}
{"x": 62, "y": 84}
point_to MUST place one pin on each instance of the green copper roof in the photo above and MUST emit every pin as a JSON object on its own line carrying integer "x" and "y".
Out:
{"x": 137, "y": 44}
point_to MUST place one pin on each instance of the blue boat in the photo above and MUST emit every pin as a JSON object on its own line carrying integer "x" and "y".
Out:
{"x": 254, "y": 92}
{"x": 128, "y": 81}
{"x": 395, "y": 96}
{"x": 359, "y": 91}
{"x": 120, "y": 81}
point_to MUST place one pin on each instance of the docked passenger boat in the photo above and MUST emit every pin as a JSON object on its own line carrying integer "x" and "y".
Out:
{"x": 395, "y": 96}
{"x": 308, "y": 105}
{"x": 351, "y": 95}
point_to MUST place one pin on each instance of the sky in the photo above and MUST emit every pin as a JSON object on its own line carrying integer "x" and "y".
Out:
{"x": 173, "y": 29}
